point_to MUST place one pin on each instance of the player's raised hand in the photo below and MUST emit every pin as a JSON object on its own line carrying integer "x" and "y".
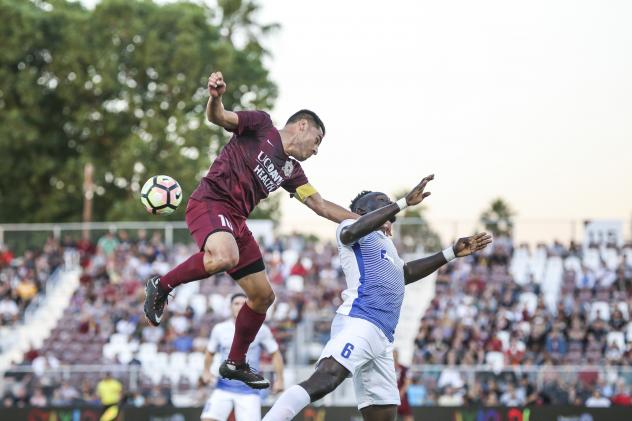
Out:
{"x": 216, "y": 84}
{"x": 417, "y": 194}
{"x": 468, "y": 245}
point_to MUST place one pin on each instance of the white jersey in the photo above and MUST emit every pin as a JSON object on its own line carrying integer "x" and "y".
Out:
{"x": 375, "y": 279}
{"x": 222, "y": 339}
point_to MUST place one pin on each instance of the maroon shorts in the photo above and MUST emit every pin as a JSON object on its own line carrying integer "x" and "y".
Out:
{"x": 207, "y": 217}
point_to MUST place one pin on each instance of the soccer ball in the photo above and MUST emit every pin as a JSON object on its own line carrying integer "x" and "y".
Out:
{"x": 161, "y": 194}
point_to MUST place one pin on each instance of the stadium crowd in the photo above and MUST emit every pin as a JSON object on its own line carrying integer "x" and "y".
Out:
{"x": 481, "y": 314}
{"x": 110, "y": 293}
{"x": 23, "y": 277}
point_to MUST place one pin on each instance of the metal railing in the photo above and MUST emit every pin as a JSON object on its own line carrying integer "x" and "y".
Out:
{"x": 16, "y": 236}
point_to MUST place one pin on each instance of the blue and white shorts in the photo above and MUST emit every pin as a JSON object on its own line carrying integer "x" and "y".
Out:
{"x": 364, "y": 350}
{"x": 219, "y": 406}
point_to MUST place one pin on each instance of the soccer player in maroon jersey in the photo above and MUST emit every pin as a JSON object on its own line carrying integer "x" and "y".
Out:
{"x": 257, "y": 160}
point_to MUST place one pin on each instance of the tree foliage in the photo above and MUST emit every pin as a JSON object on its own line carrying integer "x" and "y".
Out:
{"x": 498, "y": 218}
{"x": 417, "y": 229}
{"x": 122, "y": 86}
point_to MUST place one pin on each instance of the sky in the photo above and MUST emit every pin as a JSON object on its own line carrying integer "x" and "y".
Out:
{"x": 528, "y": 101}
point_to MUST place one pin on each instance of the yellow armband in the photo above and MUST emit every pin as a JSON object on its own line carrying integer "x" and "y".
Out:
{"x": 304, "y": 191}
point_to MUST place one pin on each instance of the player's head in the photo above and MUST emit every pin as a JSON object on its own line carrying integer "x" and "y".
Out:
{"x": 368, "y": 201}
{"x": 309, "y": 131}
{"x": 237, "y": 301}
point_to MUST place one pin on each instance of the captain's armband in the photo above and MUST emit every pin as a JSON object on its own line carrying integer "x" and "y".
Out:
{"x": 304, "y": 191}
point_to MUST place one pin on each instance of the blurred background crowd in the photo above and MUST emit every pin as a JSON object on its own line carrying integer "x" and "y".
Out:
{"x": 518, "y": 315}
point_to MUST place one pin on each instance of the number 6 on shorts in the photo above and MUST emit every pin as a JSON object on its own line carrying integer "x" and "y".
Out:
{"x": 346, "y": 351}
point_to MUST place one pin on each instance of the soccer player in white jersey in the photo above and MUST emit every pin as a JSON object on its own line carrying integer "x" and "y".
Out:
{"x": 233, "y": 394}
{"x": 361, "y": 343}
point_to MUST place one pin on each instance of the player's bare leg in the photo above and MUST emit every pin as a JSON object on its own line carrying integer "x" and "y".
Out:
{"x": 220, "y": 254}
{"x": 258, "y": 290}
{"x": 327, "y": 377}
{"x": 379, "y": 413}
{"x": 250, "y": 318}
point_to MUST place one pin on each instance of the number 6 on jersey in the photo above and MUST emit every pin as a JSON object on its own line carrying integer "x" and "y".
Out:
{"x": 346, "y": 351}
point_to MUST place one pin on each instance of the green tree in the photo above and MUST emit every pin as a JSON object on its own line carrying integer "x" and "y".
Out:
{"x": 122, "y": 86}
{"x": 498, "y": 219}
{"x": 416, "y": 230}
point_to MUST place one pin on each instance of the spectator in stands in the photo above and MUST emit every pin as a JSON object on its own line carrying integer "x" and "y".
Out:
{"x": 577, "y": 333}
{"x": 110, "y": 391}
{"x": 136, "y": 399}
{"x": 416, "y": 392}
{"x": 20, "y": 396}
{"x": 622, "y": 395}
{"x": 617, "y": 321}
{"x": 57, "y": 400}
{"x": 474, "y": 394}
{"x": 491, "y": 399}
{"x": 26, "y": 289}
{"x": 554, "y": 394}
{"x": 450, "y": 398}
{"x": 494, "y": 344}
{"x": 527, "y": 392}
{"x": 158, "y": 397}
{"x": 68, "y": 393}
{"x": 183, "y": 342}
{"x": 42, "y": 363}
{"x": 450, "y": 376}
{"x": 107, "y": 244}
{"x": 88, "y": 395}
{"x": 431, "y": 397}
{"x": 597, "y": 400}
{"x": 511, "y": 397}
{"x": 515, "y": 352}
{"x": 38, "y": 398}
{"x": 556, "y": 345}
{"x": 152, "y": 334}
{"x": 585, "y": 278}
{"x": 613, "y": 353}
{"x": 9, "y": 311}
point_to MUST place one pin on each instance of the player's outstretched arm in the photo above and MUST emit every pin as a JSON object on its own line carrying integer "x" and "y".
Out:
{"x": 372, "y": 221}
{"x": 327, "y": 209}
{"x": 215, "y": 111}
{"x": 419, "y": 269}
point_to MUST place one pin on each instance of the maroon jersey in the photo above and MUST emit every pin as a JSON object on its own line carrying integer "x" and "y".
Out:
{"x": 251, "y": 166}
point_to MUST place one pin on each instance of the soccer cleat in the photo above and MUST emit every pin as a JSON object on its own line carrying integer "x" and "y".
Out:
{"x": 243, "y": 373}
{"x": 155, "y": 300}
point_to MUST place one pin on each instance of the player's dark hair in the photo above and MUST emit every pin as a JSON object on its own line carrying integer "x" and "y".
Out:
{"x": 308, "y": 115}
{"x": 354, "y": 202}
{"x": 237, "y": 295}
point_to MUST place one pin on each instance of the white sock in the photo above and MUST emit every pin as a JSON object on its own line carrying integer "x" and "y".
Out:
{"x": 290, "y": 403}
